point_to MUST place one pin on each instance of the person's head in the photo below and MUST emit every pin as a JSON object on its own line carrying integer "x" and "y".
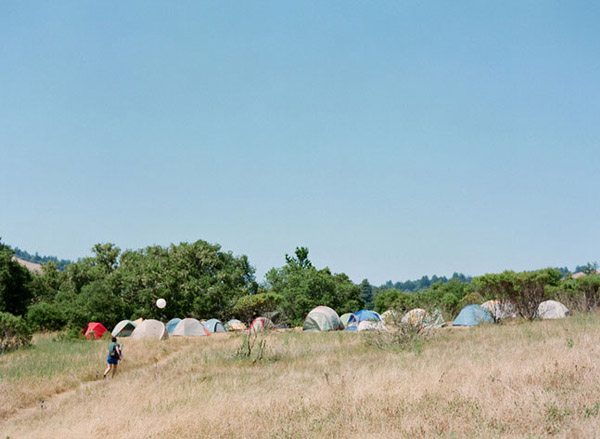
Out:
{"x": 114, "y": 339}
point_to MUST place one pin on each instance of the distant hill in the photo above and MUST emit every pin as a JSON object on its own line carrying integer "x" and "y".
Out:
{"x": 425, "y": 282}
{"x": 31, "y": 266}
{"x": 39, "y": 260}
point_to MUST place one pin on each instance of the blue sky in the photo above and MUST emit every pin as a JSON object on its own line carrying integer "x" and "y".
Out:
{"x": 394, "y": 139}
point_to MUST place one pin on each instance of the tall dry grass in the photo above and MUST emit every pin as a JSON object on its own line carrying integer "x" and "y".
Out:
{"x": 524, "y": 380}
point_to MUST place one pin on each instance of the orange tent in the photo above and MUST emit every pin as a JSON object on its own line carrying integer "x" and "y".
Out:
{"x": 95, "y": 330}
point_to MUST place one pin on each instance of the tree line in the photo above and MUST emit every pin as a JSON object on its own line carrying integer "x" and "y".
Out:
{"x": 201, "y": 280}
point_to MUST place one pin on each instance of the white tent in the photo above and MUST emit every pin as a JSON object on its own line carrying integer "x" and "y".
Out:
{"x": 190, "y": 328}
{"x": 150, "y": 329}
{"x": 551, "y": 309}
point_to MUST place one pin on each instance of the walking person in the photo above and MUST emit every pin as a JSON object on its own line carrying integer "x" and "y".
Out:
{"x": 114, "y": 355}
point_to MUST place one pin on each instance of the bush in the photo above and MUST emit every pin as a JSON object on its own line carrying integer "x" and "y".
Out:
{"x": 255, "y": 305}
{"x": 14, "y": 332}
{"x": 45, "y": 316}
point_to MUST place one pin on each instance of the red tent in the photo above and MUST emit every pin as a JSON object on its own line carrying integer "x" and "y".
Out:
{"x": 95, "y": 330}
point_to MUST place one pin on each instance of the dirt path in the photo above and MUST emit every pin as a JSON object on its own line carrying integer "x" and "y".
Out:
{"x": 48, "y": 404}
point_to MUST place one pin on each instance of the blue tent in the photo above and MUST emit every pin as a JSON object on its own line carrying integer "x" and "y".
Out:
{"x": 361, "y": 316}
{"x": 171, "y": 325}
{"x": 473, "y": 315}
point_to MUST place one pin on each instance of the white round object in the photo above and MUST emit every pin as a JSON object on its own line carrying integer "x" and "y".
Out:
{"x": 161, "y": 303}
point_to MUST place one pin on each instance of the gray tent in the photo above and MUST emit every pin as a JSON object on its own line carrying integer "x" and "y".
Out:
{"x": 215, "y": 325}
{"x": 322, "y": 318}
{"x": 190, "y": 328}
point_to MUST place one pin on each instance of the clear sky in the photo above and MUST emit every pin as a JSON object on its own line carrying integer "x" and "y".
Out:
{"x": 394, "y": 139}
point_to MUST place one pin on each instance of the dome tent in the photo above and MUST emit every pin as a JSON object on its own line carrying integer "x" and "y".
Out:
{"x": 171, "y": 324}
{"x": 344, "y": 318}
{"x": 261, "y": 324}
{"x": 123, "y": 329}
{"x": 322, "y": 318}
{"x": 390, "y": 317}
{"x": 190, "y": 328}
{"x": 364, "y": 315}
{"x": 235, "y": 325}
{"x": 421, "y": 318}
{"x": 472, "y": 315}
{"x": 551, "y": 309}
{"x": 150, "y": 329}
{"x": 500, "y": 310}
{"x": 214, "y": 325}
{"x": 414, "y": 317}
{"x": 94, "y": 330}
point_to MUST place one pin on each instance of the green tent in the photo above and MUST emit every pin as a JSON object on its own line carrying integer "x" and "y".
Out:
{"x": 322, "y": 318}
{"x": 345, "y": 317}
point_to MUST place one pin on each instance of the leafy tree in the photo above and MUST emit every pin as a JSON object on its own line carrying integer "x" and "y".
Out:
{"x": 589, "y": 268}
{"x": 304, "y": 287}
{"x": 14, "y": 332}
{"x": 46, "y": 316}
{"x": 15, "y": 292}
{"x": 366, "y": 293}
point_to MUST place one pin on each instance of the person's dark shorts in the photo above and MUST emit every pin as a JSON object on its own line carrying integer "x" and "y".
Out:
{"x": 111, "y": 360}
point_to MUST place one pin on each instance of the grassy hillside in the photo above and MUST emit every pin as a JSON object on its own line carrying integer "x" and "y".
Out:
{"x": 522, "y": 380}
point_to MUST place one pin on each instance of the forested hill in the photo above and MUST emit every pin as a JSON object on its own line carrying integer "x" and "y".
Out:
{"x": 60, "y": 263}
{"x": 425, "y": 282}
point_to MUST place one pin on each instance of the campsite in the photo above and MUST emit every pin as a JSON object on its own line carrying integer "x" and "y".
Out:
{"x": 528, "y": 378}
{"x": 299, "y": 219}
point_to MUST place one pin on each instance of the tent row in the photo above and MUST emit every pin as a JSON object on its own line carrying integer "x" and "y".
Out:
{"x": 323, "y": 318}
{"x": 154, "y": 329}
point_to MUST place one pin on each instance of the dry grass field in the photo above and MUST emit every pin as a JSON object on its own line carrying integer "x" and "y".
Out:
{"x": 519, "y": 380}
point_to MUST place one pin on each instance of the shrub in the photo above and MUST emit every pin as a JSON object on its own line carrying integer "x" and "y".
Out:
{"x": 254, "y": 305}
{"x": 46, "y": 316}
{"x": 14, "y": 332}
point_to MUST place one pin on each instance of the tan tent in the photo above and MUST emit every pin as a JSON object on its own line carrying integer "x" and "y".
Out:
{"x": 500, "y": 310}
{"x": 235, "y": 325}
{"x": 414, "y": 317}
{"x": 150, "y": 329}
{"x": 390, "y": 317}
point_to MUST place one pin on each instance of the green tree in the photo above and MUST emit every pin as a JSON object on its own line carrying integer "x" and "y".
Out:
{"x": 15, "y": 292}
{"x": 366, "y": 293}
{"x": 304, "y": 287}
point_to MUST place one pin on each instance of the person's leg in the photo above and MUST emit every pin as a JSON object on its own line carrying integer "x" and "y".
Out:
{"x": 114, "y": 370}
{"x": 107, "y": 370}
